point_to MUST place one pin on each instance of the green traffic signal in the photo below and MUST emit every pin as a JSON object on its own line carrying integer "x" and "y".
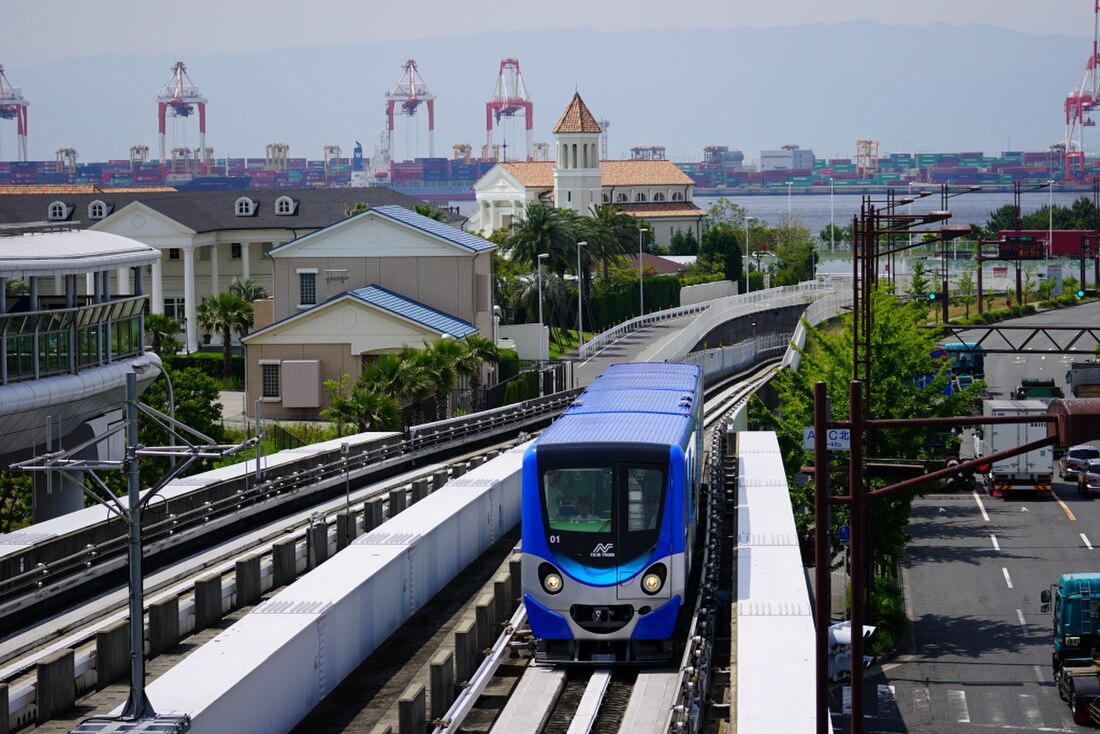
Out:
{"x": 1080, "y": 292}
{"x": 931, "y": 296}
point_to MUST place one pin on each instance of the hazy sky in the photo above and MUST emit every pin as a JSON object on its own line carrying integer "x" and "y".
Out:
{"x": 38, "y": 32}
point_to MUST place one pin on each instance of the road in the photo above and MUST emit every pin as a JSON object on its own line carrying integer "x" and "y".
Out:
{"x": 977, "y": 655}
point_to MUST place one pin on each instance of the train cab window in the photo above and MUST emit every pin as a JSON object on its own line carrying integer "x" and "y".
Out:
{"x": 643, "y": 498}
{"x": 578, "y": 500}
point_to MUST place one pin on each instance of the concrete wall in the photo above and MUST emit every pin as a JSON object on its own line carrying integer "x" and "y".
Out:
{"x": 692, "y": 294}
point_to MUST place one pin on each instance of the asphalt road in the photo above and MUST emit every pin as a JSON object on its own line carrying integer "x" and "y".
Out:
{"x": 977, "y": 656}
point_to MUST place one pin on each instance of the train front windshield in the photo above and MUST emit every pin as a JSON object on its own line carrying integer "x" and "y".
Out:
{"x": 603, "y": 515}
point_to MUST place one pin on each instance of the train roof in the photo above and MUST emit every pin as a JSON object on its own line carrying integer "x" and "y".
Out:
{"x": 649, "y": 376}
{"x": 672, "y": 402}
{"x": 589, "y": 429}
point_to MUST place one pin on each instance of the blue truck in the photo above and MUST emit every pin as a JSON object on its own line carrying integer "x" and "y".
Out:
{"x": 1076, "y": 641}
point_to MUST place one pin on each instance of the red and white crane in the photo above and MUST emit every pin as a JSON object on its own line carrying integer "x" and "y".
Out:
{"x": 13, "y": 106}
{"x": 180, "y": 97}
{"x": 1080, "y": 103}
{"x": 410, "y": 91}
{"x": 509, "y": 97}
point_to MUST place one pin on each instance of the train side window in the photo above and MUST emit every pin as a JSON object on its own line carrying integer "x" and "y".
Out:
{"x": 643, "y": 498}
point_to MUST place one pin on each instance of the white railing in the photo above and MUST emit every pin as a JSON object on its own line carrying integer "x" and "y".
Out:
{"x": 821, "y": 310}
{"x": 720, "y": 305}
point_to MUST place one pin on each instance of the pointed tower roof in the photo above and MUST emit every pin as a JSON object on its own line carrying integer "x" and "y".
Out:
{"x": 577, "y": 118}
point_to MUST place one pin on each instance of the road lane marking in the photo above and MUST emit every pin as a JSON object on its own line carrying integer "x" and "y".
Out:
{"x": 1086, "y": 540}
{"x": 887, "y": 703}
{"x": 922, "y": 702}
{"x": 1023, "y": 622}
{"x": 1065, "y": 507}
{"x": 1030, "y": 704}
{"x": 985, "y": 515}
{"x": 996, "y": 545}
{"x": 1008, "y": 579}
{"x": 1039, "y": 675}
{"x": 958, "y": 703}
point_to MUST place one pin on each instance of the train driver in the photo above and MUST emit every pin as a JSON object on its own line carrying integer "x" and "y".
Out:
{"x": 584, "y": 510}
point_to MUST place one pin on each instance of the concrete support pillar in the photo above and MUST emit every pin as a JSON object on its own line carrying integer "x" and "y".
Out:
{"x": 112, "y": 654}
{"x": 398, "y": 501}
{"x": 282, "y": 561}
{"x": 317, "y": 543}
{"x": 247, "y": 578}
{"x": 55, "y": 685}
{"x": 439, "y": 479}
{"x": 190, "y": 312}
{"x": 515, "y": 579}
{"x": 457, "y": 470}
{"x": 442, "y": 684}
{"x": 345, "y": 529}
{"x": 419, "y": 490}
{"x": 501, "y": 601}
{"x": 164, "y": 626}
{"x": 123, "y": 286}
{"x": 4, "y": 709}
{"x": 372, "y": 514}
{"x": 485, "y": 622}
{"x": 465, "y": 651}
{"x": 476, "y": 461}
{"x": 410, "y": 710}
{"x": 208, "y": 601}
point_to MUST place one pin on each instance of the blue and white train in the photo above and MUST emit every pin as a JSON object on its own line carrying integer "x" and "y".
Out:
{"x": 610, "y": 509}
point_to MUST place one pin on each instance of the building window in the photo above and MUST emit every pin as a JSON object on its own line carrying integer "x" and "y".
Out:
{"x": 658, "y": 197}
{"x": 244, "y": 207}
{"x": 639, "y": 196}
{"x": 606, "y": 199}
{"x": 307, "y": 288}
{"x": 569, "y": 196}
{"x": 284, "y": 206}
{"x": 58, "y": 211}
{"x": 677, "y": 196}
{"x": 235, "y": 251}
{"x": 175, "y": 308}
{"x": 174, "y": 253}
{"x": 621, "y": 198}
{"x": 204, "y": 254}
{"x": 270, "y": 380}
{"x": 97, "y": 210}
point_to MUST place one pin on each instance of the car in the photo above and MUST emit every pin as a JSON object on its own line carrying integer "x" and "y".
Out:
{"x": 1076, "y": 459}
{"x": 1088, "y": 479}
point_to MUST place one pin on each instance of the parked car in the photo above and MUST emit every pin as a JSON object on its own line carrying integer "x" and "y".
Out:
{"x": 1076, "y": 459}
{"x": 1088, "y": 479}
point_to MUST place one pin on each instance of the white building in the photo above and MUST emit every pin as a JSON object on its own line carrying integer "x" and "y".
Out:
{"x": 654, "y": 190}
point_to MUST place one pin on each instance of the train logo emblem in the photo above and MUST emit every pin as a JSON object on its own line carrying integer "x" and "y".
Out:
{"x": 604, "y": 550}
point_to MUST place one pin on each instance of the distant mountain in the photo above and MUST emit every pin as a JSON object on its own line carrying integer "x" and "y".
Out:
{"x": 821, "y": 87}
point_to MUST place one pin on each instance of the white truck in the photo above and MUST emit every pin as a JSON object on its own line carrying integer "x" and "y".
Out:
{"x": 1083, "y": 379}
{"x": 1032, "y": 471}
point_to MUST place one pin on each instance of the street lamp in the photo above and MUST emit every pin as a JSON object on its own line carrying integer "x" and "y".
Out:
{"x": 832, "y": 223}
{"x": 641, "y": 278}
{"x": 744, "y": 260}
{"x": 542, "y": 340}
{"x": 580, "y": 313}
{"x": 789, "y": 184}
{"x": 1050, "y": 218}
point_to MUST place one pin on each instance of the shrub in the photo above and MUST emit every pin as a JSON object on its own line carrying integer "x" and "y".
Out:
{"x": 887, "y": 614}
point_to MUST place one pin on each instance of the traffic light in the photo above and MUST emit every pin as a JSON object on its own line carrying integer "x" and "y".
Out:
{"x": 1080, "y": 292}
{"x": 933, "y": 296}
{"x": 840, "y": 650}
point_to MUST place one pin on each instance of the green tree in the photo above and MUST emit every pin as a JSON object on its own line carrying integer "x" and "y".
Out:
{"x": 902, "y": 353}
{"x": 483, "y": 351}
{"x": 543, "y": 230}
{"x": 721, "y": 244}
{"x": 416, "y": 381}
{"x": 965, "y": 287}
{"x": 918, "y": 282}
{"x": 359, "y": 208}
{"x": 162, "y": 331}
{"x": 247, "y": 290}
{"x": 442, "y": 357}
{"x": 16, "y": 500}
{"x": 431, "y": 212}
{"x": 795, "y": 257}
{"x": 225, "y": 313}
{"x": 197, "y": 406}
{"x": 724, "y": 211}
{"x": 613, "y": 235}
{"x": 360, "y": 406}
{"x": 836, "y": 235}
{"x": 1028, "y": 283}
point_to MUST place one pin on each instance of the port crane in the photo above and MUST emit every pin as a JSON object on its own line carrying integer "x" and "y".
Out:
{"x": 405, "y": 98}
{"x": 509, "y": 97}
{"x": 180, "y": 97}
{"x": 1079, "y": 105}
{"x": 14, "y": 107}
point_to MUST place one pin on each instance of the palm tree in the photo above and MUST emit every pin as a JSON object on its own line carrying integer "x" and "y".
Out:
{"x": 543, "y": 230}
{"x": 614, "y": 235}
{"x": 483, "y": 350}
{"x": 247, "y": 290}
{"x": 416, "y": 381}
{"x": 439, "y": 360}
{"x": 162, "y": 332}
{"x": 225, "y": 313}
{"x": 383, "y": 375}
{"x": 362, "y": 407}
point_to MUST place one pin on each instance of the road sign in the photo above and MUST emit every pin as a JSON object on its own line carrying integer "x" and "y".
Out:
{"x": 844, "y": 533}
{"x": 837, "y": 439}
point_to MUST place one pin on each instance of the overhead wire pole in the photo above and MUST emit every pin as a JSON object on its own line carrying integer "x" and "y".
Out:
{"x": 67, "y": 462}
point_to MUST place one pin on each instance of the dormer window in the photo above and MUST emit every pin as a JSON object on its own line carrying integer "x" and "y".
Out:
{"x": 59, "y": 211}
{"x": 244, "y": 207}
{"x": 621, "y": 198}
{"x": 606, "y": 199}
{"x": 285, "y": 206}
{"x": 97, "y": 210}
{"x": 658, "y": 196}
{"x": 639, "y": 197}
{"x": 677, "y": 196}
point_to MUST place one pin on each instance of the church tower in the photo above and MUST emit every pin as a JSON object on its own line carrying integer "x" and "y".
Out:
{"x": 577, "y": 178}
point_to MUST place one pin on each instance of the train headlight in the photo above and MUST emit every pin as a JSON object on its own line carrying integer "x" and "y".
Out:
{"x": 552, "y": 583}
{"x": 653, "y": 580}
{"x": 550, "y": 578}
